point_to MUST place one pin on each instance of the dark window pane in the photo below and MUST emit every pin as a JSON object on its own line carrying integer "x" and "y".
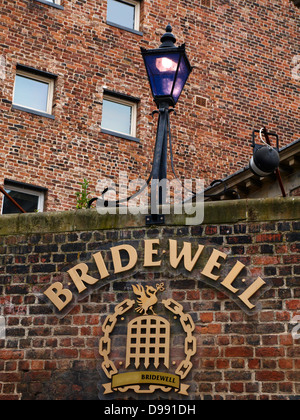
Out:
{"x": 27, "y": 201}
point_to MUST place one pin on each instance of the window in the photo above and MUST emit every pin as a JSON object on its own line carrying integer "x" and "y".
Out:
{"x": 54, "y": 3}
{"x": 33, "y": 91}
{"x": 119, "y": 116}
{"x": 125, "y": 14}
{"x": 30, "y": 198}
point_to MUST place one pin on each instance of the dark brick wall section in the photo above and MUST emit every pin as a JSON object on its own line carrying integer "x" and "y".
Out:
{"x": 45, "y": 356}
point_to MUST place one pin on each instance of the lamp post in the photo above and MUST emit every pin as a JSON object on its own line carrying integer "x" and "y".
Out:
{"x": 168, "y": 69}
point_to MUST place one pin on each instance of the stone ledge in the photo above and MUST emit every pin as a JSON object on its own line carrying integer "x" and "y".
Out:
{"x": 221, "y": 212}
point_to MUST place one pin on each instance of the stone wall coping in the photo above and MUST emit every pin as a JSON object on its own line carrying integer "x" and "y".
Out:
{"x": 219, "y": 212}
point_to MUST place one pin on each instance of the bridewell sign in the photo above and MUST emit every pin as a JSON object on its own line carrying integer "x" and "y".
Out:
{"x": 148, "y": 342}
{"x": 147, "y": 346}
{"x": 190, "y": 259}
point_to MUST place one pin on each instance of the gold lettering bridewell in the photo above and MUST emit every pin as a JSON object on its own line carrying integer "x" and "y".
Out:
{"x": 61, "y": 296}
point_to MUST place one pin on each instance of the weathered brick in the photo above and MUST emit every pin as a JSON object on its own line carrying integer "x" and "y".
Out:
{"x": 17, "y": 269}
{"x": 243, "y": 239}
{"x": 66, "y": 353}
{"x": 73, "y": 247}
{"x": 239, "y": 352}
{"x": 43, "y": 268}
{"x": 293, "y": 237}
{"x": 269, "y": 376}
{"x": 46, "y": 248}
{"x": 17, "y": 290}
{"x": 269, "y": 237}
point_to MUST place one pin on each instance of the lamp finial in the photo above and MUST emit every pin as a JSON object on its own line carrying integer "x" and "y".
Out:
{"x": 168, "y": 39}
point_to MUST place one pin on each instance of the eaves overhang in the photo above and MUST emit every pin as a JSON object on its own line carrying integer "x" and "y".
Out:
{"x": 245, "y": 182}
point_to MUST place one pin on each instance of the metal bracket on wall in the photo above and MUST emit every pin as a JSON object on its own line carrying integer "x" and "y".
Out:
{"x": 155, "y": 219}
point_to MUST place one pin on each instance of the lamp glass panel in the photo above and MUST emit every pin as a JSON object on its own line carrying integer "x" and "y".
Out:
{"x": 182, "y": 76}
{"x": 162, "y": 71}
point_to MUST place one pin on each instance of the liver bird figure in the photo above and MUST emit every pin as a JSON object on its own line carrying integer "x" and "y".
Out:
{"x": 147, "y": 298}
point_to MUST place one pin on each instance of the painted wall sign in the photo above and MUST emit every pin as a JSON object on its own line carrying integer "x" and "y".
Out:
{"x": 193, "y": 260}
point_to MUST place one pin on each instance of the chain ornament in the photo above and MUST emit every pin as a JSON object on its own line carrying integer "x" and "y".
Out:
{"x": 190, "y": 345}
{"x": 108, "y": 365}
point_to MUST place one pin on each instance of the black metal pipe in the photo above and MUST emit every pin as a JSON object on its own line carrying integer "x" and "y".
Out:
{"x": 159, "y": 168}
{"x": 160, "y": 154}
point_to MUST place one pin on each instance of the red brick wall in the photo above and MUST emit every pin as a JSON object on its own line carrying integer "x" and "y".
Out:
{"x": 242, "y": 53}
{"x": 46, "y": 356}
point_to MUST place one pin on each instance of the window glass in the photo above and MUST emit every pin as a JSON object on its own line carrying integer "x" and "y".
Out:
{"x": 31, "y": 199}
{"x": 31, "y": 93}
{"x": 27, "y": 201}
{"x": 121, "y": 13}
{"x": 53, "y": 1}
{"x": 117, "y": 117}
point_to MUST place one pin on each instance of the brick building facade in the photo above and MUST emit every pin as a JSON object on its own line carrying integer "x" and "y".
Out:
{"x": 246, "y": 74}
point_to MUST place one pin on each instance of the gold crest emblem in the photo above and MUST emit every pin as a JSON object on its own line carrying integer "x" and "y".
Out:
{"x": 147, "y": 346}
{"x": 147, "y": 299}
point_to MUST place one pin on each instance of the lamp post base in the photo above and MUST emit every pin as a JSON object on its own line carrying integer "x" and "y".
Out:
{"x": 155, "y": 219}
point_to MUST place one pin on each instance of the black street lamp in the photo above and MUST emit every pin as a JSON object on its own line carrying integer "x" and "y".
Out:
{"x": 168, "y": 69}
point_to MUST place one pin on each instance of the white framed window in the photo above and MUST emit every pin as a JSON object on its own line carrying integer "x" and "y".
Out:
{"x": 55, "y": 3}
{"x": 119, "y": 116}
{"x": 33, "y": 91}
{"x": 124, "y": 13}
{"x": 31, "y": 199}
